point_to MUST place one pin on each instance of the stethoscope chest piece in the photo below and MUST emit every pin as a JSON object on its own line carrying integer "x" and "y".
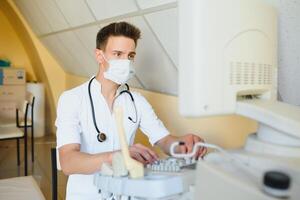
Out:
{"x": 101, "y": 137}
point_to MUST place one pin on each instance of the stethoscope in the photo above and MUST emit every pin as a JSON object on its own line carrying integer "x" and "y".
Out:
{"x": 101, "y": 137}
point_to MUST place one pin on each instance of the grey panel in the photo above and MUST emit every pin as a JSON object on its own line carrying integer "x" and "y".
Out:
{"x": 53, "y": 14}
{"x": 87, "y": 36}
{"x": 61, "y": 54}
{"x": 109, "y": 8}
{"x": 273, "y": 2}
{"x": 289, "y": 47}
{"x": 153, "y": 67}
{"x": 152, "y": 3}
{"x": 76, "y": 12}
{"x": 33, "y": 16}
{"x": 134, "y": 82}
{"x": 164, "y": 24}
{"x": 85, "y": 63}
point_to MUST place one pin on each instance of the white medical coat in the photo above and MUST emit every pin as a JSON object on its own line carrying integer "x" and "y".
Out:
{"x": 75, "y": 125}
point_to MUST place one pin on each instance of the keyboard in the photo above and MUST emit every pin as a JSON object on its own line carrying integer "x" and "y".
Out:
{"x": 171, "y": 164}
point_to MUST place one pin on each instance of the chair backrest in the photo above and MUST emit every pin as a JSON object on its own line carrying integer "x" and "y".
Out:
{"x": 31, "y": 99}
{"x": 22, "y": 109}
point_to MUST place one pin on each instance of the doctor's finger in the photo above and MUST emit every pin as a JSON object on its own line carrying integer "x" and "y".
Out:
{"x": 183, "y": 149}
{"x": 150, "y": 151}
{"x": 189, "y": 146}
{"x": 189, "y": 141}
{"x": 138, "y": 157}
{"x": 145, "y": 155}
{"x": 199, "y": 152}
{"x": 202, "y": 152}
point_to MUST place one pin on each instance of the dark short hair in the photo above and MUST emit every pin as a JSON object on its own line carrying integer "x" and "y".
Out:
{"x": 117, "y": 29}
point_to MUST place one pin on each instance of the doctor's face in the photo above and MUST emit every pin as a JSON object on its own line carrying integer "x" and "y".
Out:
{"x": 117, "y": 47}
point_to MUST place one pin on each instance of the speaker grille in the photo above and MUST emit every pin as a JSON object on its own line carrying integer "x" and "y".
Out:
{"x": 246, "y": 73}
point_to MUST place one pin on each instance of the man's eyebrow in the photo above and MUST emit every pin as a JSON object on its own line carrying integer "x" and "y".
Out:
{"x": 118, "y": 51}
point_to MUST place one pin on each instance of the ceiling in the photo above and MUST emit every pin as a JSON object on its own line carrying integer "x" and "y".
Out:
{"x": 68, "y": 29}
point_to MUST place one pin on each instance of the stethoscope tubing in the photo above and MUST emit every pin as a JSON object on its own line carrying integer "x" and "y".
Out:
{"x": 99, "y": 135}
{"x": 92, "y": 105}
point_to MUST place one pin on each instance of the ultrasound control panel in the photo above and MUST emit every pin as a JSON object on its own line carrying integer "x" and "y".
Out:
{"x": 171, "y": 164}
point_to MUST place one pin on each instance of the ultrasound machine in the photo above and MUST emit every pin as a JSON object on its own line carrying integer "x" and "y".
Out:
{"x": 227, "y": 65}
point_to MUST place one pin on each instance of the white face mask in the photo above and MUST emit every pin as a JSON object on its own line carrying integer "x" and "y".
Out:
{"x": 119, "y": 70}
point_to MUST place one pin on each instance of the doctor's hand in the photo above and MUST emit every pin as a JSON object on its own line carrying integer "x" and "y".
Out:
{"x": 189, "y": 141}
{"x": 142, "y": 154}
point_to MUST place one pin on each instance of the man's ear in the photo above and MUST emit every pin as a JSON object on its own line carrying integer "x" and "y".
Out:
{"x": 99, "y": 56}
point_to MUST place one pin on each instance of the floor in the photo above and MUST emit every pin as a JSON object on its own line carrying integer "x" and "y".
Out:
{"x": 40, "y": 169}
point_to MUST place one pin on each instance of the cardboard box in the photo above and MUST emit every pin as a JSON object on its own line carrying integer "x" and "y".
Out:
{"x": 16, "y": 93}
{"x": 12, "y": 76}
{"x": 7, "y": 110}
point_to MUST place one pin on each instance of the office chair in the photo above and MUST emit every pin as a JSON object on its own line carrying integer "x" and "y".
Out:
{"x": 13, "y": 132}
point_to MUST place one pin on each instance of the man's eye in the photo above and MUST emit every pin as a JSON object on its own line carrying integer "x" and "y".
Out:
{"x": 118, "y": 54}
{"x": 131, "y": 57}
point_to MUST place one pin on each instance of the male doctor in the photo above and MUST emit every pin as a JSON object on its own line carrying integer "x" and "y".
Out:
{"x": 86, "y": 128}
